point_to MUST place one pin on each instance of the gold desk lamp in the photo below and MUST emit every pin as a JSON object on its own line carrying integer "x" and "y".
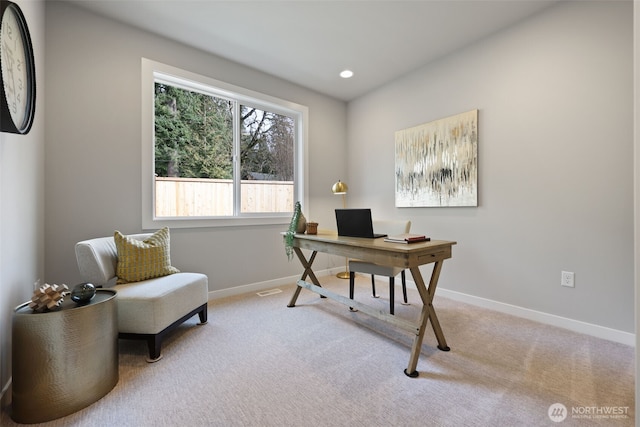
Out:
{"x": 342, "y": 188}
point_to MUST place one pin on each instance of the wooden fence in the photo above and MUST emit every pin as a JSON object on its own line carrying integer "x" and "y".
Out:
{"x": 214, "y": 197}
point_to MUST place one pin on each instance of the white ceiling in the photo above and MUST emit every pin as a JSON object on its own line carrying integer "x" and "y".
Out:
{"x": 309, "y": 42}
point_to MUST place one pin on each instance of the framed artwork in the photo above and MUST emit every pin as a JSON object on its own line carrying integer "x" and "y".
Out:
{"x": 437, "y": 163}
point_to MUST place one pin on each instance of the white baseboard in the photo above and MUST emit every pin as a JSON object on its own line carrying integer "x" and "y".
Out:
{"x": 268, "y": 284}
{"x": 597, "y": 331}
{"x": 546, "y": 318}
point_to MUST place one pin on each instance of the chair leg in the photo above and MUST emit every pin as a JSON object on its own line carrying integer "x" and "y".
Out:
{"x": 392, "y": 285}
{"x": 404, "y": 288}
{"x": 373, "y": 287}
{"x": 154, "y": 345}
{"x": 202, "y": 314}
{"x": 352, "y": 280}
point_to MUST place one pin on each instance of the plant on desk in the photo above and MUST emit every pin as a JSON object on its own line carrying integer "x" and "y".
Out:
{"x": 297, "y": 225}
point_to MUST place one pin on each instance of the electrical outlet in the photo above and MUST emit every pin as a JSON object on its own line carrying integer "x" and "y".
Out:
{"x": 568, "y": 279}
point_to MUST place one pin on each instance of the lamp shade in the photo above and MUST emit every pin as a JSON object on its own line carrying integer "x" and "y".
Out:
{"x": 340, "y": 188}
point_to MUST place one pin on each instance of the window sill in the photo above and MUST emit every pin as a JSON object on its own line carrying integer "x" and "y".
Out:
{"x": 157, "y": 223}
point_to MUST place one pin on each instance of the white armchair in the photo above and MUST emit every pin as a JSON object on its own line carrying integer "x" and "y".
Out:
{"x": 147, "y": 309}
{"x": 356, "y": 266}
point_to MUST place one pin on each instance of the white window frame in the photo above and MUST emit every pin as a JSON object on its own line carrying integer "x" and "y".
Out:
{"x": 152, "y": 69}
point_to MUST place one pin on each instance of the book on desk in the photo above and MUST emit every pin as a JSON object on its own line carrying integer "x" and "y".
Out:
{"x": 407, "y": 238}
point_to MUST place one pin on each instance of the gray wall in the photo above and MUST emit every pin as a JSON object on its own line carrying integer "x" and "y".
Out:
{"x": 555, "y": 100}
{"x": 93, "y": 149}
{"x": 555, "y": 184}
{"x": 22, "y": 202}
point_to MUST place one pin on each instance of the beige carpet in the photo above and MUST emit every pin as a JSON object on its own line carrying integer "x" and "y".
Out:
{"x": 259, "y": 363}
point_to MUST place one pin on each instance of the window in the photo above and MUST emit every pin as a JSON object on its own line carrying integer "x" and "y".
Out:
{"x": 215, "y": 154}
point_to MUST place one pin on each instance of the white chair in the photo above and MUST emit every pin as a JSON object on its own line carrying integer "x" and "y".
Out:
{"x": 356, "y": 266}
{"x": 149, "y": 309}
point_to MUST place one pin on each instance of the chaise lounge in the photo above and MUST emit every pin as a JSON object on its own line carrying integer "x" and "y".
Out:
{"x": 147, "y": 309}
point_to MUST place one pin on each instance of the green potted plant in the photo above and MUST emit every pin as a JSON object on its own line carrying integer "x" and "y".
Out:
{"x": 297, "y": 225}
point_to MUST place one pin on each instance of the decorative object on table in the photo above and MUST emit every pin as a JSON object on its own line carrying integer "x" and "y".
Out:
{"x": 17, "y": 71}
{"x": 48, "y": 297}
{"x": 302, "y": 223}
{"x": 437, "y": 163}
{"x": 83, "y": 293}
{"x": 294, "y": 225}
{"x": 312, "y": 228}
{"x": 340, "y": 188}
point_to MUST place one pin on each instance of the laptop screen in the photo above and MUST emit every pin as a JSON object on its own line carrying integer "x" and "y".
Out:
{"x": 355, "y": 223}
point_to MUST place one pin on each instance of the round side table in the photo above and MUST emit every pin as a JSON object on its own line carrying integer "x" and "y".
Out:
{"x": 65, "y": 359}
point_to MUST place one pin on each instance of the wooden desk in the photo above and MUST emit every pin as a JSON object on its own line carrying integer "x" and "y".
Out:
{"x": 408, "y": 256}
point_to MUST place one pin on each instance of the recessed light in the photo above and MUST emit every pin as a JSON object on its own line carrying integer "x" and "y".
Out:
{"x": 346, "y": 74}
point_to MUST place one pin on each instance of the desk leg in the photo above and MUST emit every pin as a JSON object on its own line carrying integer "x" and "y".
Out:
{"x": 428, "y": 312}
{"x": 307, "y": 272}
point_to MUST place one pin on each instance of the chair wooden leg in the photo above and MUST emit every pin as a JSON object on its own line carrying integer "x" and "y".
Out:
{"x": 391, "y": 293}
{"x": 404, "y": 287}
{"x": 373, "y": 286}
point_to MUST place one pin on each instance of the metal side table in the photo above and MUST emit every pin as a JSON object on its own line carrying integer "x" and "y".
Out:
{"x": 63, "y": 360}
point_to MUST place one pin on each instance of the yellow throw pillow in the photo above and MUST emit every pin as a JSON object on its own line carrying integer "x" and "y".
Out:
{"x": 143, "y": 259}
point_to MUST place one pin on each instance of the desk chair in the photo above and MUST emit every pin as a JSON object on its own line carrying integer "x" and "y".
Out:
{"x": 356, "y": 266}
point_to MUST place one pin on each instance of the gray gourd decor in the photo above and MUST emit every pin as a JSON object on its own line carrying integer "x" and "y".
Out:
{"x": 297, "y": 225}
{"x": 83, "y": 293}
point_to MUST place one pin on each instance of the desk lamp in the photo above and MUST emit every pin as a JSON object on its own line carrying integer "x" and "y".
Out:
{"x": 342, "y": 188}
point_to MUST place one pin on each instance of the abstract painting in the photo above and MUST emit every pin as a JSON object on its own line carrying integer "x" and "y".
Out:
{"x": 437, "y": 163}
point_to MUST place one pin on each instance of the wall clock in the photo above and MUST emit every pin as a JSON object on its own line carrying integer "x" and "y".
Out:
{"x": 18, "y": 71}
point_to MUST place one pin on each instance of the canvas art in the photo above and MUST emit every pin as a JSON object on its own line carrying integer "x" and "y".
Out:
{"x": 437, "y": 163}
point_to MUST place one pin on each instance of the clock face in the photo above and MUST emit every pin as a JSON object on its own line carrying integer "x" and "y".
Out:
{"x": 16, "y": 66}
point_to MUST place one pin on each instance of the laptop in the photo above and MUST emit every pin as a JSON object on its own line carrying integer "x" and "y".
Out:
{"x": 355, "y": 223}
